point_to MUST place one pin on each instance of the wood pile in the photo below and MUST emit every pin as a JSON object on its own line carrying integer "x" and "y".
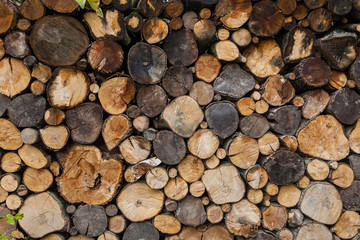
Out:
{"x": 180, "y": 120}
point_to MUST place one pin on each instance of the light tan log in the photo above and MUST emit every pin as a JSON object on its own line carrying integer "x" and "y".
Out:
{"x": 207, "y": 68}
{"x": 9, "y": 135}
{"x": 246, "y": 106}
{"x": 214, "y": 214}
{"x": 107, "y": 235}
{"x": 241, "y": 37}
{"x": 274, "y": 217}
{"x": 55, "y": 168}
{"x": 290, "y": 142}
{"x": 191, "y": 168}
{"x": 10, "y": 162}
{"x": 342, "y": 176}
{"x": 197, "y": 189}
{"x": 135, "y": 149}
{"x": 176, "y": 188}
{"x": 348, "y": 225}
{"x": 256, "y": 177}
{"x": 37, "y": 88}
{"x": 141, "y": 123}
{"x": 190, "y": 233}
{"x": 261, "y": 106}
{"x": 212, "y": 162}
{"x": 272, "y": 189}
{"x": 117, "y": 224}
{"x": 41, "y": 72}
{"x": 203, "y": 143}
{"x": 55, "y": 137}
{"x": 22, "y": 190}
{"x": 255, "y": 196}
{"x": 304, "y": 182}
{"x": 226, "y": 51}
{"x": 289, "y": 195}
{"x": 202, "y": 92}
{"x": 217, "y": 232}
{"x": 115, "y": 129}
{"x": 13, "y": 202}
{"x": 33, "y": 157}
{"x": 243, "y": 151}
{"x": 3, "y": 194}
{"x": 313, "y": 230}
{"x": 354, "y": 138}
{"x": 54, "y": 116}
{"x": 37, "y": 180}
{"x": 167, "y": 224}
{"x": 315, "y": 103}
{"x": 268, "y": 143}
{"x": 157, "y": 178}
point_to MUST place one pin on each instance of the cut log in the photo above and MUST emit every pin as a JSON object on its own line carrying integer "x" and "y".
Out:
{"x": 176, "y": 188}
{"x": 320, "y": 20}
{"x": 157, "y": 178}
{"x": 30, "y": 136}
{"x": 13, "y": 202}
{"x": 268, "y": 143}
{"x": 226, "y": 51}
{"x": 214, "y": 214}
{"x": 14, "y": 76}
{"x": 88, "y": 175}
{"x": 167, "y": 224}
{"x": 16, "y": 45}
{"x": 264, "y": 59}
{"x": 243, "y": 151}
{"x": 4, "y": 103}
{"x": 255, "y": 196}
{"x": 224, "y": 184}
{"x": 68, "y": 88}
{"x": 284, "y": 167}
{"x": 43, "y": 214}
{"x": 340, "y": 8}
{"x": 348, "y": 225}
{"x": 318, "y": 170}
{"x": 349, "y": 196}
{"x": 354, "y": 161}
{"x": 144, "y": 205}
{"x": 8, "y": 16}
{"x": 37, "y": 88}
{"x": 41, "y": 72}
{"x": 9, "y": 135}
{"x": 190, "y": 18}
{"x": 169, "y": 147}
{"x": 256, "y": 177}
{"x": 342, "y": 176}
{"x": 37, "y": 180}
{"x": 202, "y": 92}
{"x": 33, "y": 157}
{"x": 134, "y": 21}
{"x": 289, "y": 195}
{"x": 85, "y": 122}
{"x": 191, "y": 212}
{"x": 66, "y": 6}
{"x": 146, "y": 63}
{"x": 142, "y": 230}
{"x": 272, "y": 189}
{"x": 52, "y": 39}
{"x": 313, "y": 230}
{"x": 177, "y": 81}
{"x": 90, "y": 220}
{"x": 55, "y": 168}
{"x": 321, "y": 202}
{"x": 191, "y": 168}
{"x": 323, "y": 137}
{"x": 54, "y": 116}
{"x": 111, "y": 25}
{"x": 174, "y": 8}
{"x": 284, "y": 120}
{"x": 151, "y": 100}
{"x": 274, "y": 217}
{"x": 266, "y": 19}
{"x": 115, "y": 129}
{"x": 152, "y": 8}
{"x": 10, "y": 162}
{"x": 9, "y": 182}
{"x": 254, "y": 125}
{"x": 241, "y": 37}
{"x": 233, "y": 14}
{"x": 315, "y": 103}
{"x": 2, "y": 49}
{"x": 117, "y": 224}
{"x": 246, "y": 106}
{"x": 154, "y": 30}
{"x": 313, "y": 4}
{"x": 80, "y": 237}
{"x": 133, "y": 173}
{"x": 295, "y": 218}
{"x": 217, "y": 232}
{"x": 55, "y": 137}
{"x": 338, "y": 80}
{"x": 141, "y": 123}
{"x": 135, "y": 149}
{"x": 286, "y": 7}
{"x": 233, "y": 82}
{"x": 32, "y": 9}
{"x": 183, "y": 115}
{"x": 338, "y": 48}
{"x": 223, "y": 118}
{"x": 203, "y": 143}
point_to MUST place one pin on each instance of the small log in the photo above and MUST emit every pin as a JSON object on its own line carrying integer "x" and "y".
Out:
{"x": 321, "y": 202}
{"x": 154, "y": 30}
{"x": 233, "y": 82}
{"x": 176, "y": 23}
{"x": 313, "y": 230}
{"x": 169, "y": 147}
{"x": 84, "y": 122}
{"x": 338, "y": 80}
{"x": 284, "y": 167}
{"x": 135, "y": 149}
{"x": 223, "y": 118}
{"x": 340, "y": 8}
{"x": 152, "y": 8}
{"x": 348, "y": 225}
{"x": 190, "y": 18}
{"x": 174, "y": 8}
{"x": 355, "y": 165}
{"x": 32, "y": 9}
{"x": 241, "y": 37}
{"x": 170, "y": 205}
{"x": 67, "y": 88}
{"x": 167, "y": 224}
{"x": 66, "y": 6}
{"x": 177, "y": 81}
{"x": 217, "y": 232}
{"x": 286, "y": 7}
{"x": 255, "y": 196}
{"x": 212, "y": 162}
{"x": 313, "y": 4}
{"x": 268, "y": 143}
{"x": 224, "y": 184}
{"x": 115, "y": 129}
{"x": 30, "y": 136}
{"x": 256, "y": 177}
{"x": 16, "y": 45}
{"x": 9, "y": 135}
{"x": 13, "y": 202}
{"x": 295, "y": 217}
{"x": 349, "y": 196}
{"x": 55, "y": 168}
{"x": 183, "y": 115}
{"x": 338, "y": 48}
{"x": 318, "y": 170}
{"x": 203, "y": 143}
{"x": 243, "y": 151}
{"x": 141, "y": 123}
{"x": 342, "y": 176}
{"x": 243, "y": 219}
{"x": 284, "y": 120}
{"x": 41, "y": 72}
{"x": 157, "y": 178}
{"x": 10, "y": 162}
{"x": 151, "y": 100}
{"x": 254, "y": 125}
{"x": 274, "y": 217}
{"x": 323, "y": 137}
{"x": 52, "y": 39}
{"x": 226, "y": 51}
{"x": 33, "y": 156}
{"x": 111, "y": 210}
{"x": 37, "y": 180}
{"x": 111, "y": 25}
{"x": 184, "y": 55}
{"x": 146, "y": 204}
{"x": 88, "y": 175}
{"x": 246, "y": 106}
{"x": 204, "y": 33}
{"x": 315, "y": 103}
{"x": 8, "y": 17}
{"x": 90, "y": 220}
{"x": 233, "y": 14}
{"x": 54, "y": 116}
{"x": 9, "y": 182}
{"x": 176, "y": 188}
{"x": 117, "y": 224}
{"x": 266, "y": 19}
{"x": 54, "y": 137}
{"x": 202, "y": 92}
{"x": 42, "y": 206}
{"x": 272, "y": 189}
{"x": 107, "y": 235}
{"x": 150, "y": 134}
{"x": 134, "y": 21}
{"x": 191, "y": 168}
{"x": 222, "y": 34}
{"x": 191, "y": 212}
{"x": 80, "y": 237}
{"x": 133, "y": 173}
{"x": 320, "y": 20}
{"x": 289, "y": 196}
{"x": 15, "y": 76}
{"x": 37, "y": 88}
{"x": 142, "y": 230}
{"x": 133, "y": 111}
{"x": 214, "y": 214}
{"x": 146, "y": 63}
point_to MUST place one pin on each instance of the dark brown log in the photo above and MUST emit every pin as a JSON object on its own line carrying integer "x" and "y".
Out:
{"x": 142, "y": 230}
{"x": 174, "y": 8}
{"x": 320, "y": 20}
{"x": 62, "y": 6}
{"x": 115, "y": 129}
{"x": 177, "y": 81}
{"x": 32, "y": 9}
{"x": 151, "y": 8}
{"x": 350, "y": 198}
{"x": 338, "y": 48}
{"x": 146, "y": 63}
{"x": 284, "y": 167}
{"x": 122, "y": 5}
{"x": 4, "y": 103}
{"x": 85, "y": 122}
{"x": 191, "y": 212}
{"x": 312, "y": 4}
{"x": 266, "y": 19}
{"x": 341, "y": 7}
{"x": 169, "y": 147}
{"x": 311, "y": 73}
{"x": 254, "y": 125}
{"x": 151, "y": 100}
{"x": 90, "y": 220}
{"x": 354, "y": 160}
{"x": 345, "y": 106}
{"x": 233, "y": 82}
{"x": 105, "y": 56}
{"x": 233, "y": 14}
{"x": 16, "y": 45}
{"x": 176, "y": 23}
{"x": 290, "y": 22}
{"x": 184, "y": 55}
{"x": 27, "y": 110}
{"x": 223, "y": 118}
{"x": 58, "y": 40}
{"x": 134, "y": 22}
{"x": 286, "y": 7}
{"x": 284, "y": 120}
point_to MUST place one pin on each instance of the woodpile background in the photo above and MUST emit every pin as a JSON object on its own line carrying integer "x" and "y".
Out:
{"x": 194, "y": 119}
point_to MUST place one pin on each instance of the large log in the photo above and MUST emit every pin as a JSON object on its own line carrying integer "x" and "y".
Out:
{"x": 313, "y": 230}
{"x": 284, "y": 120}
{"x": 233, "y": 14}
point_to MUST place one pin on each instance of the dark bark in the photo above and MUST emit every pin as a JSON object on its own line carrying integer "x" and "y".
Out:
{"x": 254, "y": 125}
{"x": 340, "y": 7}
{"x": 151, "y": 100}
{"x": 177, "y": 81}
{"x": 90, "y": 220}
{"x": 285, "y": 120}
{"x": 169, "y": 147}
{"x": 134, "y": 22}
{"x": 350, "y": 196}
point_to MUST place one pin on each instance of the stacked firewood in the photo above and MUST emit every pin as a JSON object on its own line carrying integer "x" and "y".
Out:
{"x": 180, "y": 120}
